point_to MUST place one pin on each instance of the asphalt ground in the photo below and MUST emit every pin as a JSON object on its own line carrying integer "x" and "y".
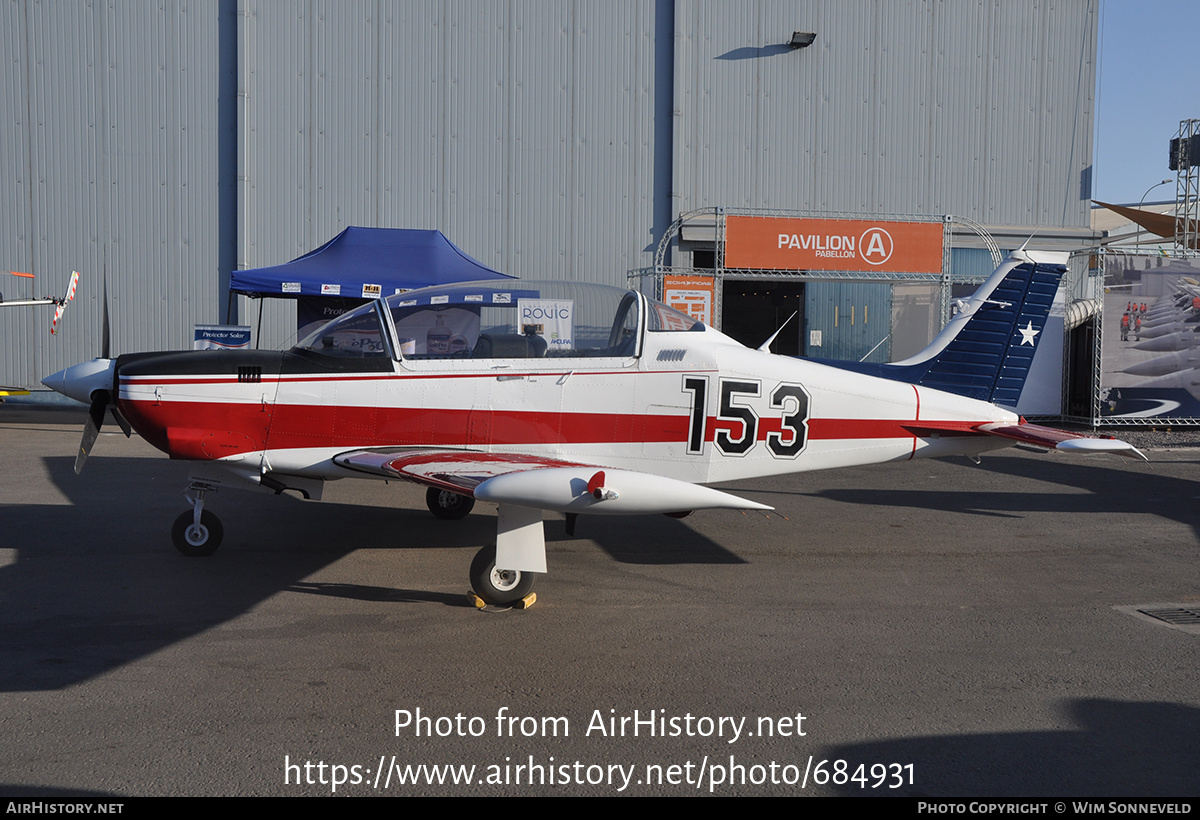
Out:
{"x": 944, "y": 629}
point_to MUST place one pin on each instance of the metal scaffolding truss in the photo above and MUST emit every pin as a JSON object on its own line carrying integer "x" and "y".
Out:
{"x": 1083, "y": 285}
{"x": 988, "y": 241}
{"x": 1083, "y": 298}
{"x": 1185, "y": 151}
{"x": 714, "y": 218}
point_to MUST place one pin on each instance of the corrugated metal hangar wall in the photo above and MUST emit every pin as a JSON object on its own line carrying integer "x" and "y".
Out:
{"x": 978, "y": 109}
{"x": 166, "y": 143}
{"x": 109, "y": 149}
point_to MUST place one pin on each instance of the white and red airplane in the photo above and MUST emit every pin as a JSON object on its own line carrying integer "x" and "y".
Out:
{"x": 580, "y": 399}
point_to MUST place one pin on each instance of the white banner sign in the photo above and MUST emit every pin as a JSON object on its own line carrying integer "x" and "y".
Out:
{"x": 552, "y": 319}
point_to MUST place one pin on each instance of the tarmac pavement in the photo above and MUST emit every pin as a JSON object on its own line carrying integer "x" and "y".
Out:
{"x": 929, "y": 628}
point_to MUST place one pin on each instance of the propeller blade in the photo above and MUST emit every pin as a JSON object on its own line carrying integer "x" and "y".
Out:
{"x": 121, "y": 422}
{"x": 91, "y": 429}
{"x": 105, "y": 340}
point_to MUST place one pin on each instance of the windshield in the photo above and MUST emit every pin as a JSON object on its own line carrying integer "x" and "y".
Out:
{"x": 665, "y": 319}
{"x": 352, "y": 335}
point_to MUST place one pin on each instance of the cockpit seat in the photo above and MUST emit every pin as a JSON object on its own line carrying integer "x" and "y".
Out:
{"x": 509, "y": 346}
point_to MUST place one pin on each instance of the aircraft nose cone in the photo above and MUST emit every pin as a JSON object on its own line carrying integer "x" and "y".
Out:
{"x": 80, "y": 381}
{"x": 55, "y": 381}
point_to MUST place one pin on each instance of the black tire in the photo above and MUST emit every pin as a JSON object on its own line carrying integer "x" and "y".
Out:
{"x": 494, "y": 586}
{"x": 196, "y": 543}
{"x": 448, "y": 506}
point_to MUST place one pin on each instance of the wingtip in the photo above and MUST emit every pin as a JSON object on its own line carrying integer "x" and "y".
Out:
{"x": 1101, "y": 445}
{"x": 1134, "y": 452}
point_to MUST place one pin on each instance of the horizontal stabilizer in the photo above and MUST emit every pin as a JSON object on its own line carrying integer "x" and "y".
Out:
{"x": 1061, "y": 440}
{"x": 1026, "y": 433}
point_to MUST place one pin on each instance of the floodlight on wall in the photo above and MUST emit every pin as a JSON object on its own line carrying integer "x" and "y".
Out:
{"x": 802, "y": 39}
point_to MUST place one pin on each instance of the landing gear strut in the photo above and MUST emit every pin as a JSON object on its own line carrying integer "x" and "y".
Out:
{"x": 199, "y": 532}
{"x": 498, "y": 586}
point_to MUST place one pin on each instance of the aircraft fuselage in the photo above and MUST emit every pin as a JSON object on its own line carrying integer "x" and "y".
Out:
{"x": 701, "y": 412}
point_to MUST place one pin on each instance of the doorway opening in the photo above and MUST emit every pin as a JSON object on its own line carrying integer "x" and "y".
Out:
{"x": 753, "y": 309}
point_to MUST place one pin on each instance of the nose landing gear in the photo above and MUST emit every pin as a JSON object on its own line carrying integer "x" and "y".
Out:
{"x": 199, "y": 532}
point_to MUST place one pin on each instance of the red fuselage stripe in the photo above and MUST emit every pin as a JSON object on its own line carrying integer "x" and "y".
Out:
{"x": 214, "y": 429}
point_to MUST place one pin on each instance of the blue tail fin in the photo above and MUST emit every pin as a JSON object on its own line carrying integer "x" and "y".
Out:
{"x": 986, "y": 350}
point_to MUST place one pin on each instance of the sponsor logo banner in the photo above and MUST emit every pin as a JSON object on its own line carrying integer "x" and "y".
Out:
{"x": 779, "y": 243}
{"x": 693, "y": 295}
{"x": 552, "y": 319}
{"x": 221, "y": 337}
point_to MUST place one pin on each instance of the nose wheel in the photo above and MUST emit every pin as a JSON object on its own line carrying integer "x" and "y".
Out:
{"x": 194, "y": 539}
{"x": 198, "y": 532}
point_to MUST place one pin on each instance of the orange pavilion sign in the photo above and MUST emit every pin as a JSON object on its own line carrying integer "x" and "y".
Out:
{"x": 781, "y": 243}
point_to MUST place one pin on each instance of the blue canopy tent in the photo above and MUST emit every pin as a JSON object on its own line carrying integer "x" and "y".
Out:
{"x": 358, "y": 260}
{"x": 360, "y": 264}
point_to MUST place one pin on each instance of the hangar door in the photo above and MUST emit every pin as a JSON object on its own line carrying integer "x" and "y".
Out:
{"x": 848, "y": 321}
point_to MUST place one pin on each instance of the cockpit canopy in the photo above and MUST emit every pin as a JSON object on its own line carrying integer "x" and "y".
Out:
{"x": 499, "y": 320}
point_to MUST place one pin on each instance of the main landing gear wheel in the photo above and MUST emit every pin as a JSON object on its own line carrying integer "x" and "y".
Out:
{"x": 498, "y": 586}
{"x": 446, "y": 505}
{"x": 196, "y": 540}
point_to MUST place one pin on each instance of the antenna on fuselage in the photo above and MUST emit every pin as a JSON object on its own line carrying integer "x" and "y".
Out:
{"x": 765, "y": 347}
{"x": 1020, "y": 252}
{"x": 876, "y": 347}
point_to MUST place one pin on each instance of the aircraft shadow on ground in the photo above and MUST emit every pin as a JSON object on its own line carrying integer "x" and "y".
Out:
{"x": 1121, "y": 748}
{"x": 1110, "y": 489}
{"x": 96, "y": 583}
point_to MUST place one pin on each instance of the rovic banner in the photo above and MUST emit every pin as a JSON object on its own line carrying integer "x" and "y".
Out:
{"x": 782, "y": 243}
{"x": 552, "y": 319}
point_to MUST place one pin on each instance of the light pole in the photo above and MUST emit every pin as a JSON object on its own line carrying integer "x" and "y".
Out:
{"x": 1137, "y": 236}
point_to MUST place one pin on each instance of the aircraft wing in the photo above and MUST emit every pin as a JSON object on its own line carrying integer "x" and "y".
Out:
{"x": 1035, "y": 434}
{"x": 459, "y": 471}
{"x": 541, "y": 482}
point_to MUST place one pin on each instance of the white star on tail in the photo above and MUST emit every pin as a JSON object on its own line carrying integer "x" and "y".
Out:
{"x": 1027, "y": 334}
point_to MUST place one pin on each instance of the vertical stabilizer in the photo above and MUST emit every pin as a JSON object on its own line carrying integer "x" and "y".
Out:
{"x": 985, "y": 352}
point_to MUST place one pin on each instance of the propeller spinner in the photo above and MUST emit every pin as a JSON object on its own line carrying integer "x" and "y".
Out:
{"x": 94, "y": 384}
